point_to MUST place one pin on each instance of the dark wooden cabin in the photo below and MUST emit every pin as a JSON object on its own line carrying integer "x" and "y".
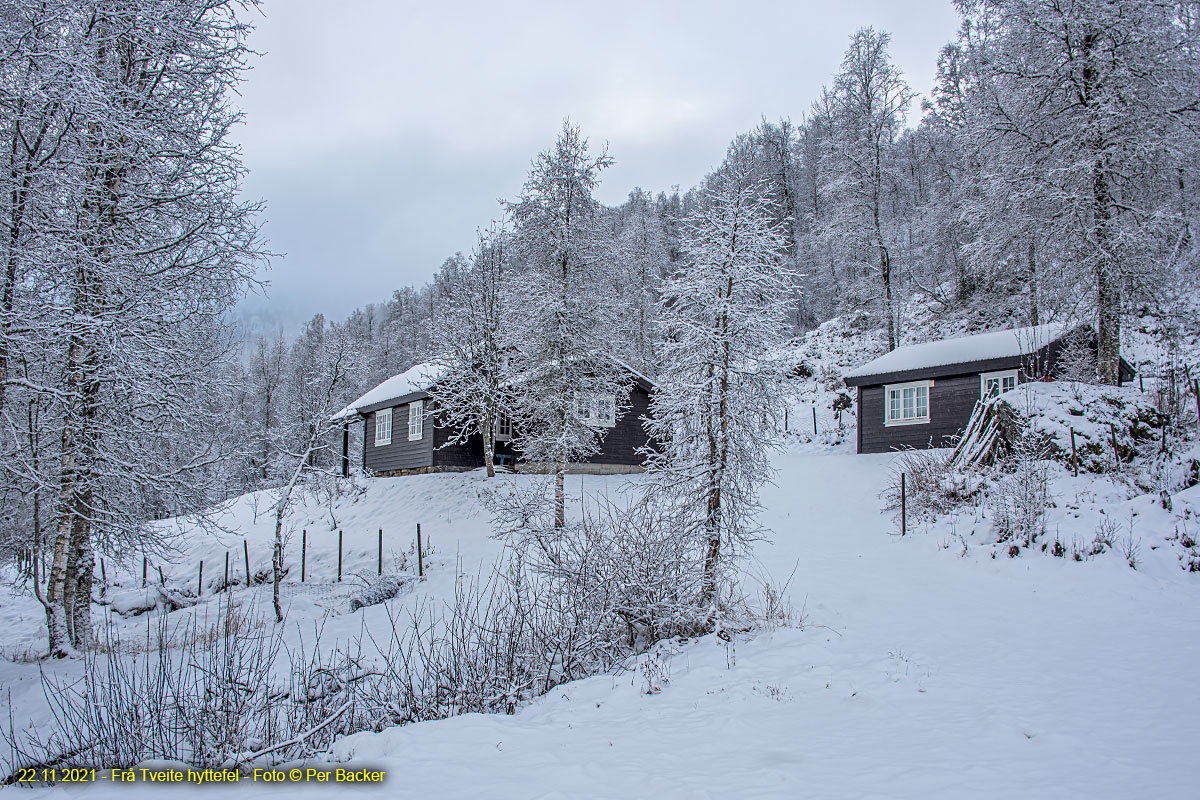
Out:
{"x": 401, "y": 434}
{"x": 922, "y": 396}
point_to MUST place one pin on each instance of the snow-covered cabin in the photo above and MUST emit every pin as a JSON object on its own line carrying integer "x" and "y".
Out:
{"x": 922, "y": 395}
{"x": 401, "y": 434}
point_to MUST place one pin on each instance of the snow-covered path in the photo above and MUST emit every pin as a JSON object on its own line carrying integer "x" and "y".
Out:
{"x": 920, "y": 673}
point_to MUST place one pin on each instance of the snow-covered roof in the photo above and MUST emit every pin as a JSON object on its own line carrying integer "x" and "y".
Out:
{"x": 414, "y": 379}
{"x": 944, "y": 352}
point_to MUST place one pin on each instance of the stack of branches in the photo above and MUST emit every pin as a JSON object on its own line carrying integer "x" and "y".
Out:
{"x": 978, "y": 444}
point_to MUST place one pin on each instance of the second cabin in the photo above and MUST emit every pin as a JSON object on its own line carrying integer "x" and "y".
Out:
{"x": 401, "y": 434}
{"x": 922, "y": 395}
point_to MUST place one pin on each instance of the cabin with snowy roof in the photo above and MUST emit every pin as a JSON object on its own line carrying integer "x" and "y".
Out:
{"x": 922, "y": 395}
{"x": 401, "y": 434}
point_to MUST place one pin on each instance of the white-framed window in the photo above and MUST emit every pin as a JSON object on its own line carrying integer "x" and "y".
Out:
{"x": 997, "y": 382}
{"x": 383, "y": 427}
{"x": 503, "y": 428}
{"x": 416, "y": 420}
{"x": 605, "y": 410}
{"x": 599, "y": 410}
{"x": 906, "y": 403}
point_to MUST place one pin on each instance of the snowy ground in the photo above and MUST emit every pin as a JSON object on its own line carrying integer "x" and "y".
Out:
{"x": 919, "y": 673}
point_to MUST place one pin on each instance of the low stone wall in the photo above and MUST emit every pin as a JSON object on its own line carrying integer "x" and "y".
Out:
{"x": 581, "y": 469}
{"x": 396, "y": 473}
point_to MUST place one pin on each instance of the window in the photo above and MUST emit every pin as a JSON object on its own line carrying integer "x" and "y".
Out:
{"x": 503, "y": 428}
{"x": 416, "y": 420}
{"x": 906, "y": 403}
{"x": 383, "y": 427}
{"x": 599, "y": 410}
{"x": 997, "y": 382}
{"x": 605, "y": 410}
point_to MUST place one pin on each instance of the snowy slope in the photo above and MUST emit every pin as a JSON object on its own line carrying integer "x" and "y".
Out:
{"x": 919, "y": 673}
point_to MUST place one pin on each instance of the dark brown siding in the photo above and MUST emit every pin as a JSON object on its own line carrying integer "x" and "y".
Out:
{"x": 618, "y": 447}
{"x": 951, "y": 401}
{"x": 621, "y": 442}
{"x": 401, "y": 453}
{"x": 462, "y": 455}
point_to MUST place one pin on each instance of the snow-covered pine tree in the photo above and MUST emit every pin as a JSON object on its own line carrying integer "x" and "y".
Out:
{"x": 561, "y": 362}
{"x": 722, "y": 384}
{"x": 467, "y": 335}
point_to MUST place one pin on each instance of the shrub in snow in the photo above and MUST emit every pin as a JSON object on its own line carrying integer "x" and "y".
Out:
{"x": 1021, "y": 495}
{"x": 131, "y": 602}
{"x": 933, "y": 484}
{"x": 376, "y": 589}
{"x": 207, "y": 693}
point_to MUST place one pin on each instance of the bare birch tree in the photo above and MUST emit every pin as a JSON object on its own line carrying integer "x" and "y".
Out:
{"x": 559, "y": 361}
{"x": 722, "y": 383}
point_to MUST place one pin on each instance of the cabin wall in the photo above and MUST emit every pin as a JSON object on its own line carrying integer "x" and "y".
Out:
{"x": 951, "y": 401}
{"x": 621, "y": 442}
{"x": 401, "y": 453}
{"x": 618, "y": 449}
{"x": 460, "y": 455}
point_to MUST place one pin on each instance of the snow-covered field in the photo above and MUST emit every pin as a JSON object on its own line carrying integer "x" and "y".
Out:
{"x": 914, "y": 670}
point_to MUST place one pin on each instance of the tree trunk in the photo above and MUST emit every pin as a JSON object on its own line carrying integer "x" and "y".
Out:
{"x": 80, "y": 609}
{"x": 277, "y": 562}
{"x": 1108, "y": 273}
{"x": 1033, "y": 284}
{"x": 885, "y": 272}
{"x": 489, "y": 449}
{"x": 58, "y": 637}
{"x": 1108, "y": 283}
{"x": 560, "y": 496}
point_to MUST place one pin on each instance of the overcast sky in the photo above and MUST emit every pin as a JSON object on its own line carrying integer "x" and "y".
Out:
{"x": 381, "y": 134}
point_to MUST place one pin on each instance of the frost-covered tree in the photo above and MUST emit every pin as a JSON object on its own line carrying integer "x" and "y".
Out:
{"x": 868, "y": 102}
{"x": 723, "y": 381}
{"x": 319, "y": 390}
{"x": 641, "y": 258}
{"x": 468, "y": 336}
{"x": 1092, "y": 114}
{"x": 561, "y": 358}
{"x": 139, "y": 247}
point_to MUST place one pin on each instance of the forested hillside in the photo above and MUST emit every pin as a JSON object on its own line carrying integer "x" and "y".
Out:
{"x": 1052, "y": 176}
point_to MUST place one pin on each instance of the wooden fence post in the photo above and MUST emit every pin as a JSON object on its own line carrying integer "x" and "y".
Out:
{"x": 161, "y": 580}
{"x": 339, "y": 555}
{"x": 225, "y": 583}
{"x": 381, "y": 551}
{"x": 303, "y": 552}
{"x": 420, "y": 555}
{"x": 814, "y": 419}
{"x": 1074, "y": 457}
{"x": 103, "y": 573}
{"x": 200, "y": 580}
{"x": 785, "y": 420}
{"x": 145, "y": 563}
{"x": 903, "y": 506}
{"x": 246, "y": 553}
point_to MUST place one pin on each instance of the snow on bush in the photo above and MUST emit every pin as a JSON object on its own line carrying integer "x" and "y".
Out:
{"x": 131, "y": 602}
{"x": 1111, "y": 425}
{"x": 376, "y": 589}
